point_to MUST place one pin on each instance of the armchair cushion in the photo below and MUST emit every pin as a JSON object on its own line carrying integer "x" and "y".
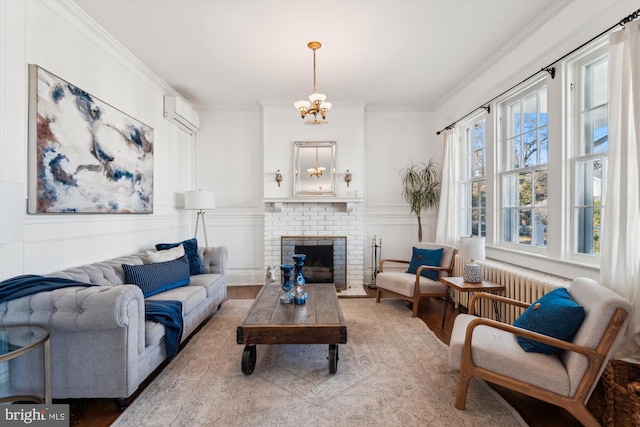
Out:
{"x": 498, "y": 351}
{"x": 429, "y": 257}
{"x": 555, "y": 314}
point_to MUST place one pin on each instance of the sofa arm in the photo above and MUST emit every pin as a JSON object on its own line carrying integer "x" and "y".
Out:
{"x": 214, "y": 259}
{"x": 97, "y": 339}
{"x": 77, "y": 308}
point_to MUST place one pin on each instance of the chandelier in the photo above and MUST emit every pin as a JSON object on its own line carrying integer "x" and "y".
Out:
{"x": 316, "y": 104}
{"x": 317, "y": 171}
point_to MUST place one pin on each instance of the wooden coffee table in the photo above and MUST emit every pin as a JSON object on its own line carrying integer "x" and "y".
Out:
{"x": 318, "y": 321}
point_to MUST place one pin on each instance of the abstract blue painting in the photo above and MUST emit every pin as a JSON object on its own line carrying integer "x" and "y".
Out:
{"x": 85, "y": 156}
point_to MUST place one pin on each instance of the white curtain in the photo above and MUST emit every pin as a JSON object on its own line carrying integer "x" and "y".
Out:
{"x": 447, "y": 230}
{"x": 620, "y": 251}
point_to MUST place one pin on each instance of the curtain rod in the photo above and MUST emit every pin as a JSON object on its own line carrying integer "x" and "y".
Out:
{"x": 549, "y": 69}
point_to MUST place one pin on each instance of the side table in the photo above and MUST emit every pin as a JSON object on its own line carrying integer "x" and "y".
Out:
{"x": 460, "y": 285}
{"x": 17, "y": 340}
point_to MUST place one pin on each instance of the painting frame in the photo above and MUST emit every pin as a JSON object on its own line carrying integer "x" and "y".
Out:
{"x": 85, "y": 156}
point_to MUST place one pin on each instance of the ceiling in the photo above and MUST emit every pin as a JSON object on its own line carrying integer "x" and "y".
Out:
{"x": 238, "y": 53}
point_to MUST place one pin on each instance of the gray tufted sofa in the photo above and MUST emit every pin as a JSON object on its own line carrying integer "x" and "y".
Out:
{"x": 101, "y": 345}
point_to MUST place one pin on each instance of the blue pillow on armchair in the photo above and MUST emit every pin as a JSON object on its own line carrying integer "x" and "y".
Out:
{"x": 191, "y": 250}
{"x": 555, "y": 314}
{"x": 429, "y": 257}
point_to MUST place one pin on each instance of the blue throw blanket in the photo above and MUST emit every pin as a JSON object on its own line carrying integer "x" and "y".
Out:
{"x": 167, "y": 313}
{"x": 20, "y": 286}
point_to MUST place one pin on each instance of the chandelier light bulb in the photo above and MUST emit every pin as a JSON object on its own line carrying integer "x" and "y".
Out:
{"x": 302, "y": 105}
{"x": 317, "y": 98}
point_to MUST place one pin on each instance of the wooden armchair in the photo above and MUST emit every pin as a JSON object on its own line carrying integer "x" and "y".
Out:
{"x": 413, "y": 286}
{"x": 489, "y": 350}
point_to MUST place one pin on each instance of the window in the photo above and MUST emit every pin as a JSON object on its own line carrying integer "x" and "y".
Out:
{"x": 474, "y": 182}
{"x": 525, "y": 156}
{"x": 528, "y": 196}
{"x": 591, "y": 143}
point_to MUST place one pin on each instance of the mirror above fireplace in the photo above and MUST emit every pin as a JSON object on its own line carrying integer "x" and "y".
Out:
{"x": 314, "y": 168}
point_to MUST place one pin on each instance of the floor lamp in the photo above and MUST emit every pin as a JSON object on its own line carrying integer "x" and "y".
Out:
{"x": 199, "y": 201}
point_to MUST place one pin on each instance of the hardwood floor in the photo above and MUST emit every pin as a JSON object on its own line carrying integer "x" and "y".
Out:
{"x": 102, "y": 412}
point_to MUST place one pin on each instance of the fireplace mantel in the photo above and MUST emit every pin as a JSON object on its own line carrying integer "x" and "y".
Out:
{"x": 279, "y": 203}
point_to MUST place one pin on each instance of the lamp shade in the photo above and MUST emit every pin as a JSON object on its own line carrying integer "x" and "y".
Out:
{"x": 472, "y": 248}
{"x": 199, "y": 200}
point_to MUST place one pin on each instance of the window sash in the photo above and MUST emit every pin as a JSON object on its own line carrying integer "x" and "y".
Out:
{"x": 524, "y": 179}
{"x": 589, "y": 162}
{"x": 473, "y": 182}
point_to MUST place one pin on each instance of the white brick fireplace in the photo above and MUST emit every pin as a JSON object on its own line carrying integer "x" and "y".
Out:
{"x": 292, "y": 217}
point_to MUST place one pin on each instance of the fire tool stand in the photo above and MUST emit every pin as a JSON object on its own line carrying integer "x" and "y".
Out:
{"x": 376, "y": 252}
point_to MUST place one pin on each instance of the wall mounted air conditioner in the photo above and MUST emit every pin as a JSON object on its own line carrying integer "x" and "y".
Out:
{"x": 181, "y": 114}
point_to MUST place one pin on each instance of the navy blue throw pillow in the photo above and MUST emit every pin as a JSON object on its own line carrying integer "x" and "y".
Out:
{"x": 554, "y": 314}
{"x": 190, "y": 249}
{"x": 158, "y": 277}
{"x": 429, "y": 257}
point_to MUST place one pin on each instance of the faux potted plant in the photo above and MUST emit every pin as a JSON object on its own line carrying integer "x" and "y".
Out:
{"x": 421, "y": 188}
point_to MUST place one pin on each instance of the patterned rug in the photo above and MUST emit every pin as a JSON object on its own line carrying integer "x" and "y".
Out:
{"x": 392, "y": 372}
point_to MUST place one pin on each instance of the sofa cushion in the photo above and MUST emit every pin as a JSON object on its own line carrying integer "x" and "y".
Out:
{"x": 191, "y": 297}
{"x": 555, "y": 314}
{"x": 429, "y": 257}
{"x": 158, "y": 277}
{"x": 191, "y": 250}
{"x": 151, "y": 257}
{"x": 209, "y": 281}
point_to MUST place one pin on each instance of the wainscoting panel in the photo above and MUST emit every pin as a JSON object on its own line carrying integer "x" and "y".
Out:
{"x": 56, "y": 242}
{"x": 242, "y": 234}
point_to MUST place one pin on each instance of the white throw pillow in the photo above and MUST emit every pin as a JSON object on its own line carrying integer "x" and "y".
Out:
{"x": 152, "y": 257}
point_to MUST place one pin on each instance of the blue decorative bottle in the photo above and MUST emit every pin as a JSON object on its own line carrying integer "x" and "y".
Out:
{"x": 299, "y": 297}
{"x": 299, "y": 259}
{"x": 286, "y": 273}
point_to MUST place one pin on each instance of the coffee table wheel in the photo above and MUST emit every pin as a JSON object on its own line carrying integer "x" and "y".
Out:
{"x": 333, "y": 358}
{"x": 248, "y": 359}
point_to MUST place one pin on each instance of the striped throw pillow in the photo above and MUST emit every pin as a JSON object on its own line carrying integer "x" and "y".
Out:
{"x": 158, "y": 277}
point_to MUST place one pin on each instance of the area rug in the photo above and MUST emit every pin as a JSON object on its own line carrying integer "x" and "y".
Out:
{"x": 392, "y": 372}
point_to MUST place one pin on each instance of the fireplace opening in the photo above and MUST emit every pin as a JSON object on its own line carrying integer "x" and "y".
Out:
{"x": 326, "y": 260}
{"x": 318, "y": 266}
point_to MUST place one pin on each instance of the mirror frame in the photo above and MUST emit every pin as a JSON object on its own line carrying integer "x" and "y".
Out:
{"x": 305, "y": 157}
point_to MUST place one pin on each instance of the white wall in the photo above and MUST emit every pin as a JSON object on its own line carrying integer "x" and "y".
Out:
{"x": 283, "y": 126}
{"x": 239, "y": 152}
{"x": 394, "y": 141}
{"x": 58, "y": 37}
{"x": 229, "y": 162}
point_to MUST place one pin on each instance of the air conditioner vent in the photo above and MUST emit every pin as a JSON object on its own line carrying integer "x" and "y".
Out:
{"x": 181, "y": 114}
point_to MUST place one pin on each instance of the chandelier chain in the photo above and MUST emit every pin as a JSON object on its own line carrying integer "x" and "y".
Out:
{"x": 314, "y": 71}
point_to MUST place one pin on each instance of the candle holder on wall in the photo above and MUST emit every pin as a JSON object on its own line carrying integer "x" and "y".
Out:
{"x": 278, "y": 177}
{"x": 347, "y": 177}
